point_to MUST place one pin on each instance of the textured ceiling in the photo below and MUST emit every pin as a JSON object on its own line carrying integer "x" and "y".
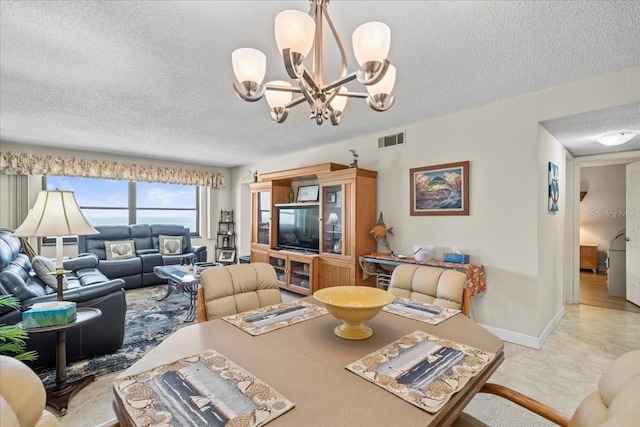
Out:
{"x": 153, "y": 79}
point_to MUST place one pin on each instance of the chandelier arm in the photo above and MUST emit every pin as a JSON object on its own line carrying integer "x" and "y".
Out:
{"x": 360, "y": 95}
{"x": 376, "y": 77}
{"x": 284, "y": 88}
{"x": 249, "y": 98}
{"x": 290, "y": 63}
{"x": 295, "y": 102}
{"x": 336, "y": 35}
{"x": 337, "y": 83}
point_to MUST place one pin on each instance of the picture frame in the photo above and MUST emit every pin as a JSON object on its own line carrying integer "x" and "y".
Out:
{"x": 440, "y": 189}
{"x": 554, "y": 187}
{"x": 227, "y": 256}
{"x": 308, "y": 193}
{"x": 331, "y": 197}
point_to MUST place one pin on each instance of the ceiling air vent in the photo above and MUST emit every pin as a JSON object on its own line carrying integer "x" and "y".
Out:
{"x": 391, "y": 140}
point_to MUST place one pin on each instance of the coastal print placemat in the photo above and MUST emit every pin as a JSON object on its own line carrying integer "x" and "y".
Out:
{"x": 267, "y": 319}
{"x": 422, "y": 369}
{"x": 419, "y": 310}
{"x": 206, "y": 389}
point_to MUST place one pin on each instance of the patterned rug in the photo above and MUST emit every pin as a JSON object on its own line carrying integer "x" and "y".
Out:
{"x": 147, "y": 323}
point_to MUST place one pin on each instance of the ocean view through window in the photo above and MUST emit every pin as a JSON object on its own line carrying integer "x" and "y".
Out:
{"x": 121, "y": 202}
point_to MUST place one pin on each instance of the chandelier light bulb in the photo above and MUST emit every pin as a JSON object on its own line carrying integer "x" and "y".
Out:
{"x": 249, "y": 65}
{"x": 295, "y": 30}
{"x": 371, "y": 42}
{"x": 339, "y": 102}
{"x": 616, "y": 138}
{"x": 278, "y": 98}
{"x": 384, "y": 86}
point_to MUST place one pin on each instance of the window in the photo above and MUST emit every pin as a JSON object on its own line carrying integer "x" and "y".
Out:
{"x": 120, "y": 202}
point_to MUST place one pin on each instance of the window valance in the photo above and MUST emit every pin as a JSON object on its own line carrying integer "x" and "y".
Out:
{"x": 43, "y": 164}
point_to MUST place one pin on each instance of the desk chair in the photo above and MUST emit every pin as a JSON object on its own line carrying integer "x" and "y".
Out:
{"x": 235, "y": 289}
{"x": 433, "y": 285}
{"x": 616, "y": 403}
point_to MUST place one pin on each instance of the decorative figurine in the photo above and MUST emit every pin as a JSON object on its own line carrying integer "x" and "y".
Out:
{"x": 355, "y": 159}
{"x": 380, "y": 231}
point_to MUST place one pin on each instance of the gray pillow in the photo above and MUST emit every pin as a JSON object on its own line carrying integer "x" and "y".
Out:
{"x": 120, "y": 249}
{"x": 42, "y": 266}
{"x": 170, "y": 245}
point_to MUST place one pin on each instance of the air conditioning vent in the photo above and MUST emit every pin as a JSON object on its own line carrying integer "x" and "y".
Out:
{"x": 391, "y": 140}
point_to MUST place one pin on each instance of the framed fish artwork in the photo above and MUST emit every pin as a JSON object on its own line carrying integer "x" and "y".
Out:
{"x": 554, "y": 188}
{"x": 440, "y": 189}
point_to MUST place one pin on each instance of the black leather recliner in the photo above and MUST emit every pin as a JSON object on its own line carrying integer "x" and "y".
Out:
{"x": 138, "y": 271}
{"x": 88, "y": 287}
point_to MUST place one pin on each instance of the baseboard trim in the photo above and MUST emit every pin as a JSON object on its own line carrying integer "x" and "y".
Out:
{"x": 527, "y": 340}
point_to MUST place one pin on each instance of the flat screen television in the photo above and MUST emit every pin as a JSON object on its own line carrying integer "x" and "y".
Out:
{"x": 298, "y": 228}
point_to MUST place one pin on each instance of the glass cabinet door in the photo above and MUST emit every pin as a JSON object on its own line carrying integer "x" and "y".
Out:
{"x": 280, "y": 265}
{"x": 332, "y": 219}
{"x": 264, "y": 217}
{"x": 300, "y": 274}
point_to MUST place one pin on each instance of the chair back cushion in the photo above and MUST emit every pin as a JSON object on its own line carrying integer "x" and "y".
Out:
{"x": 617, "y": 401}
{"x": 433, "y": 285}
{"x": 238, "y": 288}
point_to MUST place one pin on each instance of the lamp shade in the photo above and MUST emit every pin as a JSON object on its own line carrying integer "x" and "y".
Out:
{"x": 249, "y": 65}
{"x": 384, "y": 86}
{"x": 295, "y": 30}
{"x": 278, "y": 98}
{"x": 55, "y": 213}
{"x": 333, "y": 219}
{"x": 339, "y": 102}
{"x": 371, "y": 42}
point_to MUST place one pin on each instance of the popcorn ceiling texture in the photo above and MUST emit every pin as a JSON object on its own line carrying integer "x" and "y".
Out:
{"x": 153, "y": 79}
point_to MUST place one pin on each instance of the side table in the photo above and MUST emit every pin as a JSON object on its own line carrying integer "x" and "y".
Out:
{"x": 59, "y": 396}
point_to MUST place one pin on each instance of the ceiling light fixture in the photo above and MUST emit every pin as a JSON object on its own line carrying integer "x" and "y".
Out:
{"x": 296, "y": 32}
{"x": 616, "y": 138}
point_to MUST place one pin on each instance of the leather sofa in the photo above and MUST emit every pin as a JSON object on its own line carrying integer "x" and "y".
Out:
{"x": 22, "y": 397}
{"x": 87, "y": 286}
{"x": 137, "y": 271}
{"x": 433, "y": 285}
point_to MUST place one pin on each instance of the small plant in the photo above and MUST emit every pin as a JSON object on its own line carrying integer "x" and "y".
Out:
{"x": 13, "y": 339}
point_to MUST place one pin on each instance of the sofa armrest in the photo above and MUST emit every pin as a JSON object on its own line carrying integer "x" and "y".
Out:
{"x": 80, "y": 294}
{"x": 75, "y": 264}
{"x": 89, "y": 254}
{"x": 147, "y": 251}
{"x": 199, "y": 251}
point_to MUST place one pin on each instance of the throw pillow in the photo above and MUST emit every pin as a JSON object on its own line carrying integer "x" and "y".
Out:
{"x": 120, "y": 249}
{"x": 170, "y": 245}
{"x": 42, "y": 267}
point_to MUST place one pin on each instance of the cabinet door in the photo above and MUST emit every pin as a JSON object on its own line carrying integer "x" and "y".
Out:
{"x": 336, "y": 273}
{"x": 280, "y": 265}
{"x": 332, "y": 219}
{"x": 301, "y": 273}
{"x": 263, "y": 216}
{"x": 259, "y": 256}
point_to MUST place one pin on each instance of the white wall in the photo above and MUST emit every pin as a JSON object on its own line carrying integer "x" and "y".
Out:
{"x": 507, "y": 231}
{"x": 212, "y": 200}
{"x": 603, "y": 208}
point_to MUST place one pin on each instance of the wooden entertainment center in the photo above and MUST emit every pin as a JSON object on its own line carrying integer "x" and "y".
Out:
{"x": 346, "y": 209}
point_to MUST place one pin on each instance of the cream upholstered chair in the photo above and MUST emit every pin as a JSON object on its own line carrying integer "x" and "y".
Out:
{"x": 22, "y": 396}
{"x": 236, "y": 288}
{"x": 437, "y": 286}
{"x": 616, "y": 402}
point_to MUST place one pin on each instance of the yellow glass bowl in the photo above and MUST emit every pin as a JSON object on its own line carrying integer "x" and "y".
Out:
{"x": 353, "y": 305}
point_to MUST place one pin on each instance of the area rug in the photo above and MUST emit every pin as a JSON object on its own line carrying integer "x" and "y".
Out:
{"x": 147, "y": 323}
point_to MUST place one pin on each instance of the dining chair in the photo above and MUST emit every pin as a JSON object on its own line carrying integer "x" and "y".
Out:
{"x": 438, "y": 286}
{"x": 236, "y": 288}
{"x": 616, "y": 402}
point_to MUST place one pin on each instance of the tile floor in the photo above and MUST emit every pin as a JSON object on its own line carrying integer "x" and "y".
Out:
{"x": 565, "y": 370}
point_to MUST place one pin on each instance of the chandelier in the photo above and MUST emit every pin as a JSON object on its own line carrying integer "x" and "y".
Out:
{"x": 296, "y": 33}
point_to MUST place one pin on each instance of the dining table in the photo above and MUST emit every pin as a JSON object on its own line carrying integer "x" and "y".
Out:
{"x": 306, "y": 363}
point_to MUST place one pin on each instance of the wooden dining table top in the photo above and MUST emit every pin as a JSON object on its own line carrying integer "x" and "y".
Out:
{"x": 306, "y": 363}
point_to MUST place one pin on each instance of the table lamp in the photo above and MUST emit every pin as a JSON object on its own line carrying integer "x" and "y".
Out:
{"x": 55, "y": 214}
{"x": 333, "y": 220}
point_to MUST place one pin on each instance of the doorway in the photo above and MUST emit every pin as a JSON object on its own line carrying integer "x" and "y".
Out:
{"x": 601, "y": 217}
